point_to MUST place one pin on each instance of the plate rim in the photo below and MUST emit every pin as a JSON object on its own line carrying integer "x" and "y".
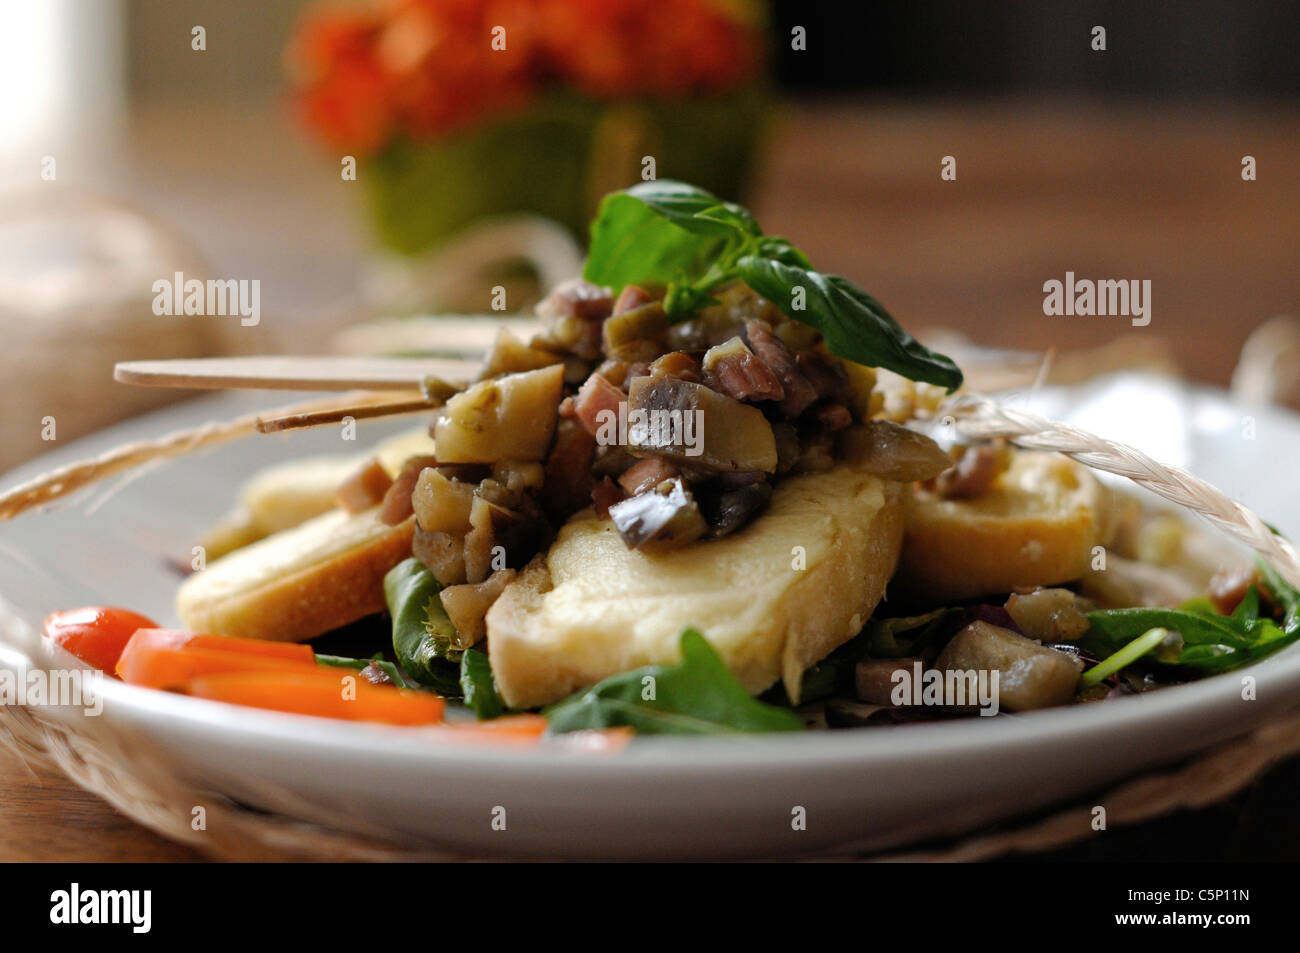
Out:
{"x": 700, "y": 756}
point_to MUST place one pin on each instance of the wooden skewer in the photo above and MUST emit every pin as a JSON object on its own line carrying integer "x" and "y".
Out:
{"x": 274, "y": 372}
{"x": 333, "y": 415}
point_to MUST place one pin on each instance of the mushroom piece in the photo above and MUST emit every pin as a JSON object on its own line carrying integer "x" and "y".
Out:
{"x": 1049, "y": 615}
{"x": 1029, "y": 675}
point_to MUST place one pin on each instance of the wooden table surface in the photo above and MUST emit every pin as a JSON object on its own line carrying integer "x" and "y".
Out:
{"x": 1123, "y": 192}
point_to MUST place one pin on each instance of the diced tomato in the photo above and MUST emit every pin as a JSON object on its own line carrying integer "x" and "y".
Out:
{"x": 95, "y": 634}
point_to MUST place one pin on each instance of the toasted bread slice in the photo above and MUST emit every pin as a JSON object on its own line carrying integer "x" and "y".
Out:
{"x": 772, "y": 598}
{"x": 1036, "y": 526}
{"x": 288, "y": 494}
{"x": 299, "y": 582}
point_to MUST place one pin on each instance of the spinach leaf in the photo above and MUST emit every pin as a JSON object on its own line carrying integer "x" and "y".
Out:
{"x": 903, "y": 636}
{"x": 1211, "y": 642}
{"x": 422, "y": 633}
{"x": 388, "y": 668}
{"x": 686, "y": 239}
{"x": 479, "y": 686}
{"x": 699, "y": 695}
{"x": 1283, "y": 593}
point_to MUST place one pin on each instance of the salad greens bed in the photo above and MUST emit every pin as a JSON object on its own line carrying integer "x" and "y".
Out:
{"x": 691, "y": 242}
{"x": 699, "y": 696}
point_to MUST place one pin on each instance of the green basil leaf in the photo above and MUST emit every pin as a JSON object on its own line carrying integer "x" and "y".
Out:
{"x": 423, "y": 636}
{"x": 699, "y": 695}
{"x": 779, "y": 249}
{"x": 855, "y": 325}
{"x": 632, "y": 243}
{"x": 479, "y": 686}
{"x": 694, "y": 209}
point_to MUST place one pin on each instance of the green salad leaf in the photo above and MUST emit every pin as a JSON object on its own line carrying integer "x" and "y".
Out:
{"x": 697, "y": 696}
{"x": 690, "y": 241}
{"x": 1210, "y": 641}
{"x": 479, "y": 686}
{"x": 423, "y": 635}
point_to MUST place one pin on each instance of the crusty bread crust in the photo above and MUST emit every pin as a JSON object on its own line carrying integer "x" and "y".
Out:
{"x": 298, "y": 583}
{"x": 1036, "y": 527}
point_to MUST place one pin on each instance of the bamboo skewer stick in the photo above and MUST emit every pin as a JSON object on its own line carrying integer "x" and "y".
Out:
{"x": 275, "y": 372}
{"x": 272, "y": 423}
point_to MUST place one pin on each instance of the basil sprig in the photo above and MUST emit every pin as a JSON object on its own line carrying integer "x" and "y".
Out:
{"x": 690, "y": 241}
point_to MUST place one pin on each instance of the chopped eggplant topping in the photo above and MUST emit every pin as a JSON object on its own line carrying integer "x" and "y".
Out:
{"x": 466, "y": 605}
{"x": 676, "y": 364}
{"x": 676, "y": 430}
{"x": 442, "y": 505}
{"x": 509, "y": 355}
{"x": 510, "y": 418}
{"x": 833, "y": 417}
{"x": 892, "y": 451}
{"x": 691, "y": 422}
{"x": 567, "y": 485}
{"x": 729, "y": 510}
{"x": 637, "y": 335}
{"x": 442, "y": 554}
{"x": 659, "y": 520}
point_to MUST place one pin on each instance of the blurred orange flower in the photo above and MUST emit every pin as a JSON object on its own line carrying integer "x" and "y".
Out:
{"x": 424, "y": 68}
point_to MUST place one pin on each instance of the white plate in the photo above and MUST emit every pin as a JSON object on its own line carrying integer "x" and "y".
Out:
{"x": 663, "y": 797}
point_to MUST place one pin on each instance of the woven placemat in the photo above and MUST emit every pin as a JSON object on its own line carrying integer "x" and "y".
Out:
{"x": 140, "y": 787}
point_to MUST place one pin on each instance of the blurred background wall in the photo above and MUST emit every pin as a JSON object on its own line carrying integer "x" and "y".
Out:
{"x": 1205, "y": 47}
